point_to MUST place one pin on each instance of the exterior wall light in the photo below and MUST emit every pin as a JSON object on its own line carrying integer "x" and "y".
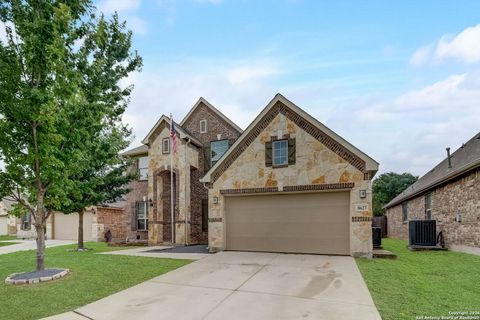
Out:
{"x": 363, "y": 194}
{"x": 215, "y": 200}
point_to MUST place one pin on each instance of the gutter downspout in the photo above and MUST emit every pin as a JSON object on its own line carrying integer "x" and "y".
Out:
{"x": 188, "y": 141}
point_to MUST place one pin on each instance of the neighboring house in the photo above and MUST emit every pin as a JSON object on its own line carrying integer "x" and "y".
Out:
{"x": 449, "y": 194}
{"x": 3, "y": 219}
{"x": 65, "y": 226}
{"x": 290, "y": 184}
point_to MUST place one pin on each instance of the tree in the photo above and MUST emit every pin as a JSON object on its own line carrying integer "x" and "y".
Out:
{"x": 56, "y": 100}
{"x": 387, "y": 186}
{"x": 102, "y": 179}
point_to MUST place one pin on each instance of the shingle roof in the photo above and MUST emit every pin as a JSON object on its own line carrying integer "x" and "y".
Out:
{"x": 466, "y": 158}
{"x": 136, "y": 151}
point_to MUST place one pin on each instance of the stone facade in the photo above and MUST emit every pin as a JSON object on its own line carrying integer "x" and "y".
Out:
{"x": 460, "y": 196}
{"x": 190, "y": 163}
{"x": 315, "y": 165}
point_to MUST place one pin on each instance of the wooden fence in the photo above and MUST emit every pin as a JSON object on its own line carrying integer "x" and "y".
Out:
{"x": 381, "y": 222}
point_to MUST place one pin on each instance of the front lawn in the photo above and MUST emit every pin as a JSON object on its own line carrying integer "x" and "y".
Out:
{"x": 3, "y": 243}
{"x": 93, "y": 276}
{"x": 7, "y": 238}
{"x": 422, "y": 283}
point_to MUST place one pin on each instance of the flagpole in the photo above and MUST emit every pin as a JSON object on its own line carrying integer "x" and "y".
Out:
{"x": 172, "y": 204}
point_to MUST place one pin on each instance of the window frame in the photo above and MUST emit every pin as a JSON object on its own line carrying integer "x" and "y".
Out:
{"x": 428, "y": 206}
{"x": 26, "y": 221}
{"x": 211, "y": 151}
{"x": 274, "y": 150}
{"x": 144, "y": 205}
{"x": 139, "y": 169}
{"x": 167, "y": 149}
{"x": 405, "y": 211}
{"x": 203, "y": 130}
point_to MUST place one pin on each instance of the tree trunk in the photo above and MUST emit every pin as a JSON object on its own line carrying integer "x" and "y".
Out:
{"x": 80, "y": 229}
{"x": 39, "y": 227}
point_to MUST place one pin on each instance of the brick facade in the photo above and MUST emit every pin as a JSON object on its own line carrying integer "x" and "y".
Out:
{"x": 139, "y": 191}
{"x": 461, "y": 196}
{"x": 215, "y": 125}
{"x": 115, "y": 220}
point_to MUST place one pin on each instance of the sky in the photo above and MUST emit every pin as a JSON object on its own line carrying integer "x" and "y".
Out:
{"x": 400, "y": 80}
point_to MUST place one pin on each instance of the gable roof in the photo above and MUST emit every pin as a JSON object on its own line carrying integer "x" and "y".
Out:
{"x": 178, "y": 129}
{"x": 215, "y": 110}
{"x": 280, "y": 104}
{"x": 464, "y": 159}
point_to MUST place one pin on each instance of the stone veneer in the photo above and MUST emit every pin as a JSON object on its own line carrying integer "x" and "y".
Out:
{"x": 189, "y": 166}
{"x": 315, "y": 164}
{"x": 459, "y": 196}
{"x": 185, "y": 158}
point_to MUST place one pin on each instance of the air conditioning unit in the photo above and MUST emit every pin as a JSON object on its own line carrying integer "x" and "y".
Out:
{"x": 422, "y": 233}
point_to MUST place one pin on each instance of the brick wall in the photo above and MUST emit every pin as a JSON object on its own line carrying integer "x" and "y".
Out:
{"x": 139, "y": 189}
{"x": 396, "y": 227}
{"x": 215, "y": 125}
{"x": 113, "y": 219}
{"x": 460, "y": 196}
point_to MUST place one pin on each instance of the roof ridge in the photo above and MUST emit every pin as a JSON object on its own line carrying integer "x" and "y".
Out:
{"x": 214, "y": 109}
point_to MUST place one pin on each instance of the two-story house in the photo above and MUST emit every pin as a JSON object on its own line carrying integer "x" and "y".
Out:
{"x": 203, "y": 136}
{"x": 285, "y": 184}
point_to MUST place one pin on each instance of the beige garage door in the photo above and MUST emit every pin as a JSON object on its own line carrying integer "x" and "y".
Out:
{"x": 301, "y": 223}
{"x": 66, "y": 226}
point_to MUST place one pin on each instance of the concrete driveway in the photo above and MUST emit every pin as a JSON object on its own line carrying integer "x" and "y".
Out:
{"x": 244, "y": 285}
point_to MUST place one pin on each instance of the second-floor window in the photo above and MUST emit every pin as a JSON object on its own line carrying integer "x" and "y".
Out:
{"x": 143, "y": 168}
{"x": 166, "y": 145}
{"x": 280, "y": 152}
{"x": 203, "y": 126}
{"x": 218, "y": 149}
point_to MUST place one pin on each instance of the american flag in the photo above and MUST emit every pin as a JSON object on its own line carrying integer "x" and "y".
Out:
{"x": 173, "y": 136}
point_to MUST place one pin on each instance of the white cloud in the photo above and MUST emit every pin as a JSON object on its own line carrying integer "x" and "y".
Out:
{"x": 175, "y": 90}
{"x": 464, "y": 47}
{"x": 137, "y": 25}
{"x": 3, "y": 31}
{"x": 110, "y": 6}
{"x": 249, "y": 73}
{"x": 409, "y": 132}
{"x": 421, "y": 56}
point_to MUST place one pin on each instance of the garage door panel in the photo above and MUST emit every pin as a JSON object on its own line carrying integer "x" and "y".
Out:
{"x": 307, "y": 223}
{"x": 66, "y": 226}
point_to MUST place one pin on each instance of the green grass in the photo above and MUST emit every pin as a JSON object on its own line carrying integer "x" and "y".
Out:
{"x": 7, "y": 238}
{"x": 422, "y": 283}
{"x": 3, "y": 244}
{"x": 93, "y": 276}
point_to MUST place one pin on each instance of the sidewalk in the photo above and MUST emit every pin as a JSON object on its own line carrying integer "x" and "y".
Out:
{"x": 24, "y": 245}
